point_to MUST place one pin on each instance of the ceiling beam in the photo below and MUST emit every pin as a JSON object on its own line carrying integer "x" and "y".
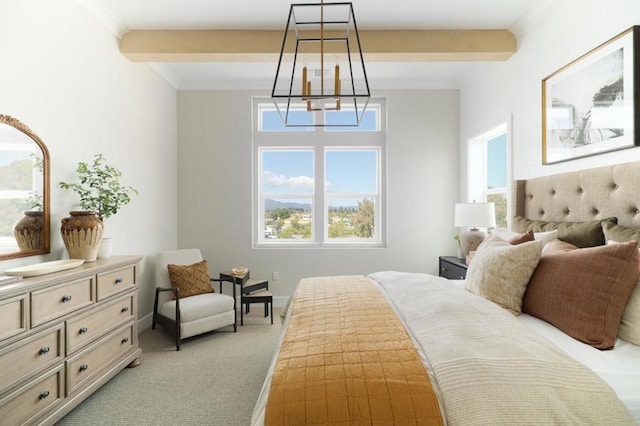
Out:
{"x": 265, "y": 45}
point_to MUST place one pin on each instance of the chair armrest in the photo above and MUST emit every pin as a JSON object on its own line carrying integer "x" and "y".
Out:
{"x": 175, "y": 291}
{"x": 230, "y": 280}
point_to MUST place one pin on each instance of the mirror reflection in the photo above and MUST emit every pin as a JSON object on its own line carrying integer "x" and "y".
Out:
{"x": 24, "y": 191}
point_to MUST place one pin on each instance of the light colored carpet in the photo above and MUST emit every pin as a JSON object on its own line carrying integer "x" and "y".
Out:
{"x": 214, "y": 379}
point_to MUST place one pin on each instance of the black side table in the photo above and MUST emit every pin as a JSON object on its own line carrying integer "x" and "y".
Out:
{"x": 452, "y": 268}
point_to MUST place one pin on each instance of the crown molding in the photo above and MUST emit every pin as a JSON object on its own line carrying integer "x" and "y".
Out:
{"x": 105, "y": 16}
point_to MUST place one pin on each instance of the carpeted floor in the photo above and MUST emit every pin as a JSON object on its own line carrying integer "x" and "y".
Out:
{"x": 214, "y": 379}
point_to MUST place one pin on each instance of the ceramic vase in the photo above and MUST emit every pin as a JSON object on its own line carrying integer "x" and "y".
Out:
{"x": 28, "y": 232}
{"x": 82, "y": 234}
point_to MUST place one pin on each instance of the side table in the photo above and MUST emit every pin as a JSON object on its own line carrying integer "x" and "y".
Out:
{"x": 251, "y": 291}
{"x": 452, "y": 268}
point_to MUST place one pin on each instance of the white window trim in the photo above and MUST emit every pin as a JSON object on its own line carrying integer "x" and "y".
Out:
{"x": 477, "y": 147}
{"x": 319, "y": 141}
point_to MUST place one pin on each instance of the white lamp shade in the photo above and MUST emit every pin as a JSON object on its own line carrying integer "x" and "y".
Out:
{"x": 475, "y": 215}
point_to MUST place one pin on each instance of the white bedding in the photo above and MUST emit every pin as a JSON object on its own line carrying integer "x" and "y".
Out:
{"x": 619, "y": 368}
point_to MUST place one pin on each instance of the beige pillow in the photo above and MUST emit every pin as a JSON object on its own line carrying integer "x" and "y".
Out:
{"x": 500, "y": 271}
{"x": 191, "y": 280}
{"x": 583, "y": 292}
{"x": 630, "y": 323}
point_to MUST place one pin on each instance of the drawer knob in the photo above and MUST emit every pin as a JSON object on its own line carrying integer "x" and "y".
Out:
{"x": 125, "y": 309}
{"x": 44, "y": 350}
{"x": 119, "y": 280}
{"x": 66, "y": 298}
{"x": 43, "y": 394}
{"x": 84, "y": 367}
{"x": 83, "y": 330}
{"x": 125, "y": 340}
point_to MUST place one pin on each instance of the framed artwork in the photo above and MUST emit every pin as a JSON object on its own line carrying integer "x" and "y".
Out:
{"x": 589, "y": 105}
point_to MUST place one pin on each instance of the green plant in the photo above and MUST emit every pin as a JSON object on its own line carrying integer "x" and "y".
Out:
{"x": 99, "y": 188}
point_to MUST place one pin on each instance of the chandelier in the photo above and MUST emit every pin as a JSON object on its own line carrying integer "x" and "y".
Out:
{"x": 321, "y": 78}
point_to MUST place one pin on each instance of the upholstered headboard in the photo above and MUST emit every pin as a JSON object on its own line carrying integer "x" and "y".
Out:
{"x": 592, "y": 194}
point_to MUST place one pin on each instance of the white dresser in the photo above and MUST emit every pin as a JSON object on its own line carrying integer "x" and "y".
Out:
{"x": 65, "y": 334}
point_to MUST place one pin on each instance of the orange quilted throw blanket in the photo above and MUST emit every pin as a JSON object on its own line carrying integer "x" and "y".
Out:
{"x": 347, "y": 359}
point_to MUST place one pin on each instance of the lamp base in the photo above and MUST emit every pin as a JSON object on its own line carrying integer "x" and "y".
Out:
{"x": 470, "y": 240}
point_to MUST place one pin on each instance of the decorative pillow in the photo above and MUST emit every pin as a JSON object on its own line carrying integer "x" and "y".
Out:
{"x": 190, "y": 279}
{"x": 630, "y": 324}
{"x": 500, "y": 271}
{"x": 521, "y": 238}
{"x": 512, "y": 236}
{"x": 579, "y": 234}
{"x": 619, "y": 233}
{"x": 583, "y": 292}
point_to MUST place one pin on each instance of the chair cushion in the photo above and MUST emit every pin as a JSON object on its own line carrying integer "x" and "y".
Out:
{"x": 190, "y": 279}
{"x": 197, "y": 307}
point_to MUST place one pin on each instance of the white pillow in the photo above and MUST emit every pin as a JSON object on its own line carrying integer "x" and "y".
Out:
{"x": 500, "y": 271}
{"x": 545, "y": 237}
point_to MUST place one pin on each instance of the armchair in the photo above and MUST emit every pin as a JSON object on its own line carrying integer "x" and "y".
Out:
{"x": 189, "y": 316}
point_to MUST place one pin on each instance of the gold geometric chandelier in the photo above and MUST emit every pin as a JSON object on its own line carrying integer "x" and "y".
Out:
{"x": 310, "y": 87}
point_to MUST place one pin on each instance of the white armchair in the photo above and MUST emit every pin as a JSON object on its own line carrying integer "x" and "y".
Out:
{"x": 189, "y": 316}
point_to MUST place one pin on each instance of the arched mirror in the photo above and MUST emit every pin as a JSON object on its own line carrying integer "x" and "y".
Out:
{"x": 24, "y": 191}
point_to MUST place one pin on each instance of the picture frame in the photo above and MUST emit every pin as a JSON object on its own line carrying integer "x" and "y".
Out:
{"x": 589, "y": 105}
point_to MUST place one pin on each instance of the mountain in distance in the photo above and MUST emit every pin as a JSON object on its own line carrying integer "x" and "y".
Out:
{"x": 273, "y": 204}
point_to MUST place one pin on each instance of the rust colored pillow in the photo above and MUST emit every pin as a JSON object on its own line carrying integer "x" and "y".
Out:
{"x": 521, "y": 238}
{"x": 190, "y": 279}
{"x": 583, "y": 292}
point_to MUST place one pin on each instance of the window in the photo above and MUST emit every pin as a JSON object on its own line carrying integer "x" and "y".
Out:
{"x": 488, "y": 171}
{"x": 318, "y": 186}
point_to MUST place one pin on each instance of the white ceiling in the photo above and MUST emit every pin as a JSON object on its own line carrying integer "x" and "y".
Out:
{"x": 126, "y": 15}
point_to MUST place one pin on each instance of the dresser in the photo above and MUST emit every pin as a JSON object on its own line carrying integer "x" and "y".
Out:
{"x": 65, "y": 334}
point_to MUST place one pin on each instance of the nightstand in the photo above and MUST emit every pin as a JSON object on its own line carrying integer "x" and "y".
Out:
{"x": 452, "y": 268}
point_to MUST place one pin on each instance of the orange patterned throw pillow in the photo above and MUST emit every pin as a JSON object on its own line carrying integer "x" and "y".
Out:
{"x": 190, "y": 279}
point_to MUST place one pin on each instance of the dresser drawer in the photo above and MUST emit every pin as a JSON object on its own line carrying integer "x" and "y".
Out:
{"x": 30, "y": 355}
{"x": 13, "y": 316}
{"x": 27, "y": 403}
{"x": 84, "y": 366}
{"x": 56, "y": 301}
{"x": 86, "y": 327}
{"x": 110, "y": 283}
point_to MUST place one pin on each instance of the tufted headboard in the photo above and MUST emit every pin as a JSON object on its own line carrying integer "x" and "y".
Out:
{"x": 592, "y": 194}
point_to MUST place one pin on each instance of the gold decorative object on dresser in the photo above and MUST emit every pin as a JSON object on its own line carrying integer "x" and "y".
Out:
{"x": 65, "y": 334}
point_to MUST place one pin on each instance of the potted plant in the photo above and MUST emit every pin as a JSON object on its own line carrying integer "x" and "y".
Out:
{"x": 101, "y": 196}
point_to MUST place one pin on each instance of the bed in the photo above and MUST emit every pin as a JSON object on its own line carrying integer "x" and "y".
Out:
{"x": 520, "y": 341}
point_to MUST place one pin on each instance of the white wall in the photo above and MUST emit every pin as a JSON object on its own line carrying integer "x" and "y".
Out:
{"x": 62, "y": 75}
{"x": 214, "y": 187}
{"x": 549, "y": 37}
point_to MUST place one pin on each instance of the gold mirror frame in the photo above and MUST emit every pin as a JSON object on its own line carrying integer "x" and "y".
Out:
{"x": 46, "y": 228}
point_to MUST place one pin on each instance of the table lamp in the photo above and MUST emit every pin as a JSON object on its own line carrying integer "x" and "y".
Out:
{"x": 473, "y": 216}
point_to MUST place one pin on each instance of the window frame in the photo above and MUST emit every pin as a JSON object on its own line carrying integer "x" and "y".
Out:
{"x": 477, "y": 167}
{"x": 318, "y": 140}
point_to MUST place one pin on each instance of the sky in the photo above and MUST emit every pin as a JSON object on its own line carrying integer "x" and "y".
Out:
{"x": 347, "y": 171}
{"x": 497, "y": 162}
{"x": 292, "y": 171}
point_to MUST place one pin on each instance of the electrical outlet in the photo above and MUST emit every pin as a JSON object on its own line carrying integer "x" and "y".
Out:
{"x": 275, "y": 275}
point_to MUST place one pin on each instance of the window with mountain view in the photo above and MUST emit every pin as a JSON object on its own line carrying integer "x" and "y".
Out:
{"x": 318, "y": 186}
